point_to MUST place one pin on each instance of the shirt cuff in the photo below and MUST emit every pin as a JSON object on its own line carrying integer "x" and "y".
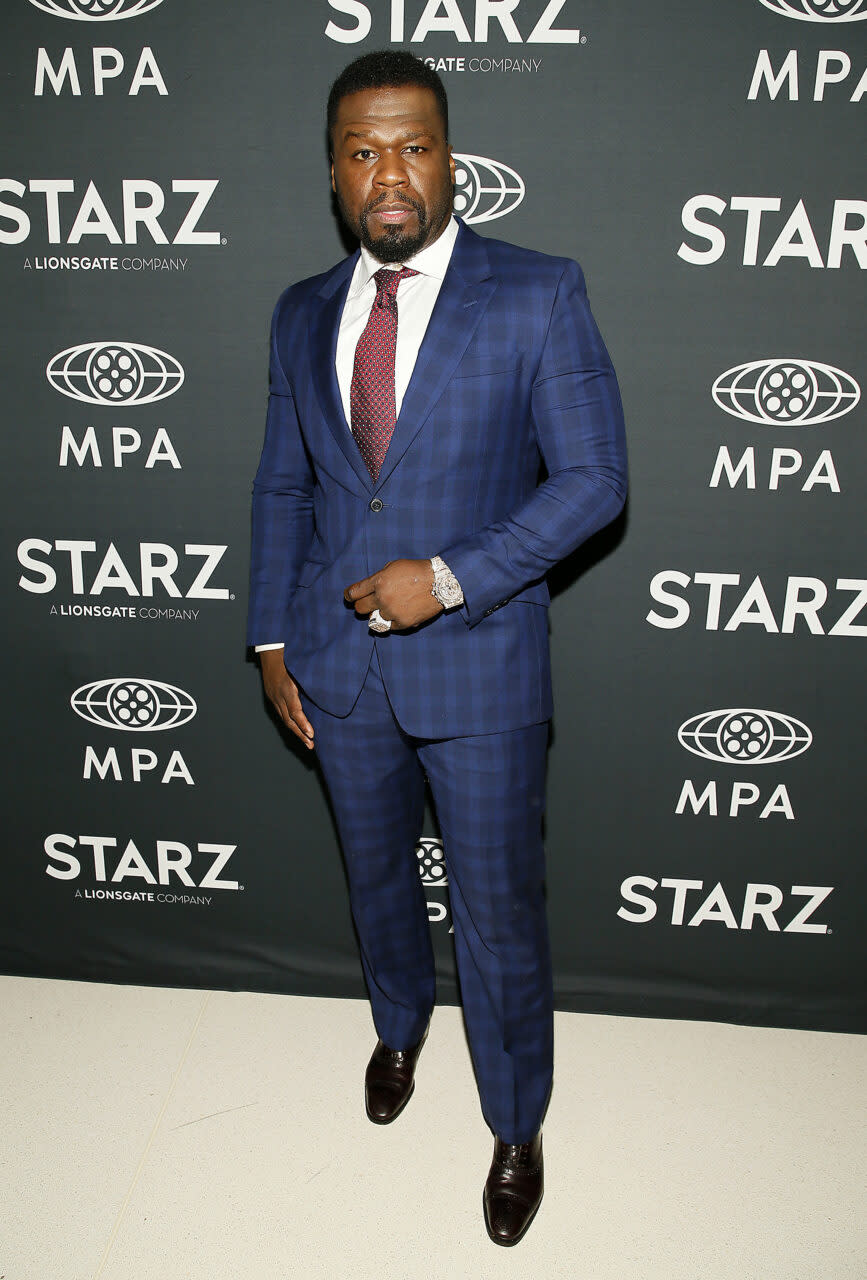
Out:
{"x": 260, "y": 647}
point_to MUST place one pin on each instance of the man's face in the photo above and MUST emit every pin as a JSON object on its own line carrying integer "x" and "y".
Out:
{"x": 392, "y": 170}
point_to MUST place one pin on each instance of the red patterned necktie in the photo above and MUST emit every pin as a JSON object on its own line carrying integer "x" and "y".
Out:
{"x": 371, "y": 392}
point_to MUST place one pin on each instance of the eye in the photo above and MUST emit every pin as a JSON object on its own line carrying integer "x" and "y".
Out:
{"x": 364, "y": 153}
{"x": 415, "y": 148}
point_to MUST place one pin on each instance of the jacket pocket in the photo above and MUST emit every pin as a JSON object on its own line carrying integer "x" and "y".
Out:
{"x": 480, "y": 366}
{"x": 310, "y": 571}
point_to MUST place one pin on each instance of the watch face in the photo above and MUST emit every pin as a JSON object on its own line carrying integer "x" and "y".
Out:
{"x": 448, "y": 591}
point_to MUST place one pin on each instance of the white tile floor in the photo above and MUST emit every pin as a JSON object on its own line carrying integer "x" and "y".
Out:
{"x": 188, "y": 1135}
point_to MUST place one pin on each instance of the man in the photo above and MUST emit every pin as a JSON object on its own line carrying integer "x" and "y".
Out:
{"x": 401, "y": 536}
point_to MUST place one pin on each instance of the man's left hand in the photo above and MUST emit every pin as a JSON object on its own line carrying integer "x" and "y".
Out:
{"x": 401, "y": 591}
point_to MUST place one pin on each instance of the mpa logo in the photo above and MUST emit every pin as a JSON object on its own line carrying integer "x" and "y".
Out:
{"x": 786, "y": 392}
{"x": 95, "y": 10}
{"x": 744, "y": 736}
{"x": 431, "y": 863}
{"x": 741, "y": 735}
{"x": 819, "y": 10}
{"x": 432, "y": 869}
{"x": 114, "y": 373}
{"x": 485, "y": 189}
{"x": 133, "y": 704}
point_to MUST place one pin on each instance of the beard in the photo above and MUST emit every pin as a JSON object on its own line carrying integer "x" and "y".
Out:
{"x": 396, "y": 244}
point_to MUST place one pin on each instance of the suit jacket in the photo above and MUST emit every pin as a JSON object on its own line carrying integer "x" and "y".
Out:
{"x": 507, "y": 453}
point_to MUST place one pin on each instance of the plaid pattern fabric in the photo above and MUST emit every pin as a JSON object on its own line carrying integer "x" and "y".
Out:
{"x": 488, "y": 791}
{"x": 512, "y": 375}
{"x": 371, "y": 392}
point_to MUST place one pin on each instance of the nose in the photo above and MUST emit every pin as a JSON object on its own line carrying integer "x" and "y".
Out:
{"x": 390, "y": 172}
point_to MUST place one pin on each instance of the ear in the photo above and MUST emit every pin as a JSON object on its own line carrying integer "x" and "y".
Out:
{"x": 333, "y": 187}
{"x": 451, "y": 165}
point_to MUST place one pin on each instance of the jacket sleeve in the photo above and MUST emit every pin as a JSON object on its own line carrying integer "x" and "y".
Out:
{"x": 282, "y": 523}
{"x": 578, "y": 420}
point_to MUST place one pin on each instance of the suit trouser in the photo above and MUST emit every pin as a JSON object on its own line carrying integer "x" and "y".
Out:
{"x": 489, "y": 797}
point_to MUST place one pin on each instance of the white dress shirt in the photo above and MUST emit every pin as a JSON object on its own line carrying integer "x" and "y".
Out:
{"x": 416, "y": 297}
{"x": 415, "y": 301}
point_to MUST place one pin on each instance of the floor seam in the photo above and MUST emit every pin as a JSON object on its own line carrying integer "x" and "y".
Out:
{"x": 154, "y": 1130}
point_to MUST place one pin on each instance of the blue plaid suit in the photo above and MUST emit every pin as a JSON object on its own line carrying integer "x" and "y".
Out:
{"x": 512, "y": 377}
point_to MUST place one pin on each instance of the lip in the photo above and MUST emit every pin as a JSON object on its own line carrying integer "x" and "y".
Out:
{"x": 393, "y": 214}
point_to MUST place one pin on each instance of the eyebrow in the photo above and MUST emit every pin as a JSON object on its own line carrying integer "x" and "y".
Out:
{"x": 407, "y": 137}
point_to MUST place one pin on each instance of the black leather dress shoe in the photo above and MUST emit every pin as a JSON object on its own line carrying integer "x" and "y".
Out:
{"x": 389, "y": 1081}
{"x": 513, "y": 1191}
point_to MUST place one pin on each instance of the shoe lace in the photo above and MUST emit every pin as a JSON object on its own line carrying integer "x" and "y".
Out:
{"x": 515, "y": 1154}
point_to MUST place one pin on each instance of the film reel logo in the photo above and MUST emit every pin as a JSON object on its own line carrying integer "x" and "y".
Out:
{"x": 819, "y": 10}
{"x": 431, "y": 862}
{"x": 95, "y": 10}
{"x": 744, "y": 735}
{"x": 133, "y": 704}
{"x": 485, "y": 189}
{"x": 786, "y": 392}
{"x": 114, "y": 373}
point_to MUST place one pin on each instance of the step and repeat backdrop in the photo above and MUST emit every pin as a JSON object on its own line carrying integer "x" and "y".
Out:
{"x": 163, "y": 176}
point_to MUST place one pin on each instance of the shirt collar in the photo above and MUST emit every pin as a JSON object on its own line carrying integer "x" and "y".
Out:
{"x": 432, "y": 261}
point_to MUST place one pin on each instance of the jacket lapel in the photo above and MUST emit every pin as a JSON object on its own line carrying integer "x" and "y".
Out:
{"x": 460, "y": 305}
{"x": 323, "y": 327}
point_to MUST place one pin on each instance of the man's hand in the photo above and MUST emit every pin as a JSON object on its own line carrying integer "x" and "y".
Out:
{"x": 401, "y": 591}
{"x": 282, "y": 692}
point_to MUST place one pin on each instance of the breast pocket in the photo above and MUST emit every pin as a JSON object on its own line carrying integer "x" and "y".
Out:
{"x": 488, "y": 366}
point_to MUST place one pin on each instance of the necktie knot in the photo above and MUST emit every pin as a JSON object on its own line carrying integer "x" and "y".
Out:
{"x": 386, "y": 284}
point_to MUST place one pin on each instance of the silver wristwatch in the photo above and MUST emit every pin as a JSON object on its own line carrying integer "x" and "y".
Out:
{"x": 446, "y": 587}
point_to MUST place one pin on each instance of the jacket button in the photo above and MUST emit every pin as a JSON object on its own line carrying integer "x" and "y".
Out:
{"x": 376, "y": 504}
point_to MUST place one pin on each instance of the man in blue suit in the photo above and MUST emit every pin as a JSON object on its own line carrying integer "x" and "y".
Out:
{"x": 444, "y": 425}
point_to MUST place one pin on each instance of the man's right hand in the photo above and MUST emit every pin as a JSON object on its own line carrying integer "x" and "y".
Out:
{"x": 282, "y": 691}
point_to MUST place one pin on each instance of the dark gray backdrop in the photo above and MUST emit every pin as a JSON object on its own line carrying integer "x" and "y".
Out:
{"x": 613, "y": 122}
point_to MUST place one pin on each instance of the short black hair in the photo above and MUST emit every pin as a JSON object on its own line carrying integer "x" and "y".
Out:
{"x": 386, "y": 69}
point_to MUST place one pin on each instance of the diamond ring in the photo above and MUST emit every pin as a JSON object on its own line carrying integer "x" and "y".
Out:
{"x": 377, "y": 623}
